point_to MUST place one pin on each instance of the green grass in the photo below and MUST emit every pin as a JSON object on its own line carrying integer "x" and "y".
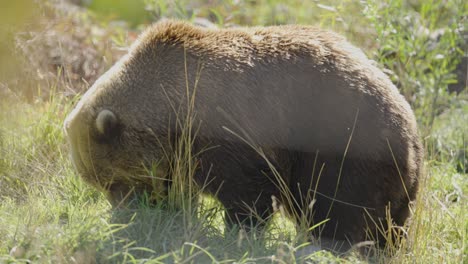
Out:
{"x": 49, "y": 215}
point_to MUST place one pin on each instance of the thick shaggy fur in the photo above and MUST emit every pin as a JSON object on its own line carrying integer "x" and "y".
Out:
{"x": 329, "y": 122}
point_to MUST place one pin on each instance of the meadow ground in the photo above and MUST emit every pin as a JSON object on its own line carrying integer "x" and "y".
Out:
{"x": 55, "y": 50}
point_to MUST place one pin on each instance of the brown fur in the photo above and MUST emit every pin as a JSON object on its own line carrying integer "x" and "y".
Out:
{"x": 327, "y": 119}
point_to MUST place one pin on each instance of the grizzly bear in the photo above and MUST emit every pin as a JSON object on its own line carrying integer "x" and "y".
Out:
{"x": 288, "y": 112}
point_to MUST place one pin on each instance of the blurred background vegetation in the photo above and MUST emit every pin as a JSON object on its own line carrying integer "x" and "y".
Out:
{"x": 51, "y": 51}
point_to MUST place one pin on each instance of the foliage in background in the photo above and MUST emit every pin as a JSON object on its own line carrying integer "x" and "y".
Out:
{"x": 131, "y": 11}
{"x": 14, "y": 16}
{"x": 421, "y": 46}
{"x": 342, "y": 16}
{"x": 63, "y": 46}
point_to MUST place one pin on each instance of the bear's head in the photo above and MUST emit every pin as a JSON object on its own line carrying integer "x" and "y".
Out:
{"x": 119, "y": 130}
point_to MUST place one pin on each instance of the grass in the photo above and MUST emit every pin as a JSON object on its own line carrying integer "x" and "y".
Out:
{"x": 49, "y": 215}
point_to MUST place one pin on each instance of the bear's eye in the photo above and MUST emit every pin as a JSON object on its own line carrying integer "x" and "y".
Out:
{"x": 107, "y": 124}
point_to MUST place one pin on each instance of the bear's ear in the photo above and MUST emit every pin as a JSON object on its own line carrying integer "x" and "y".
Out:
{"x": 106, "y": 123}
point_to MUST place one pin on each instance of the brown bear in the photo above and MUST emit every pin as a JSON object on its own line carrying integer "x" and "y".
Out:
{"x": 292, "y": 112}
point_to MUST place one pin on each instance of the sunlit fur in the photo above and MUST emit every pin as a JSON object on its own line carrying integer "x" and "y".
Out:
{"x": 292, "y": 112}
